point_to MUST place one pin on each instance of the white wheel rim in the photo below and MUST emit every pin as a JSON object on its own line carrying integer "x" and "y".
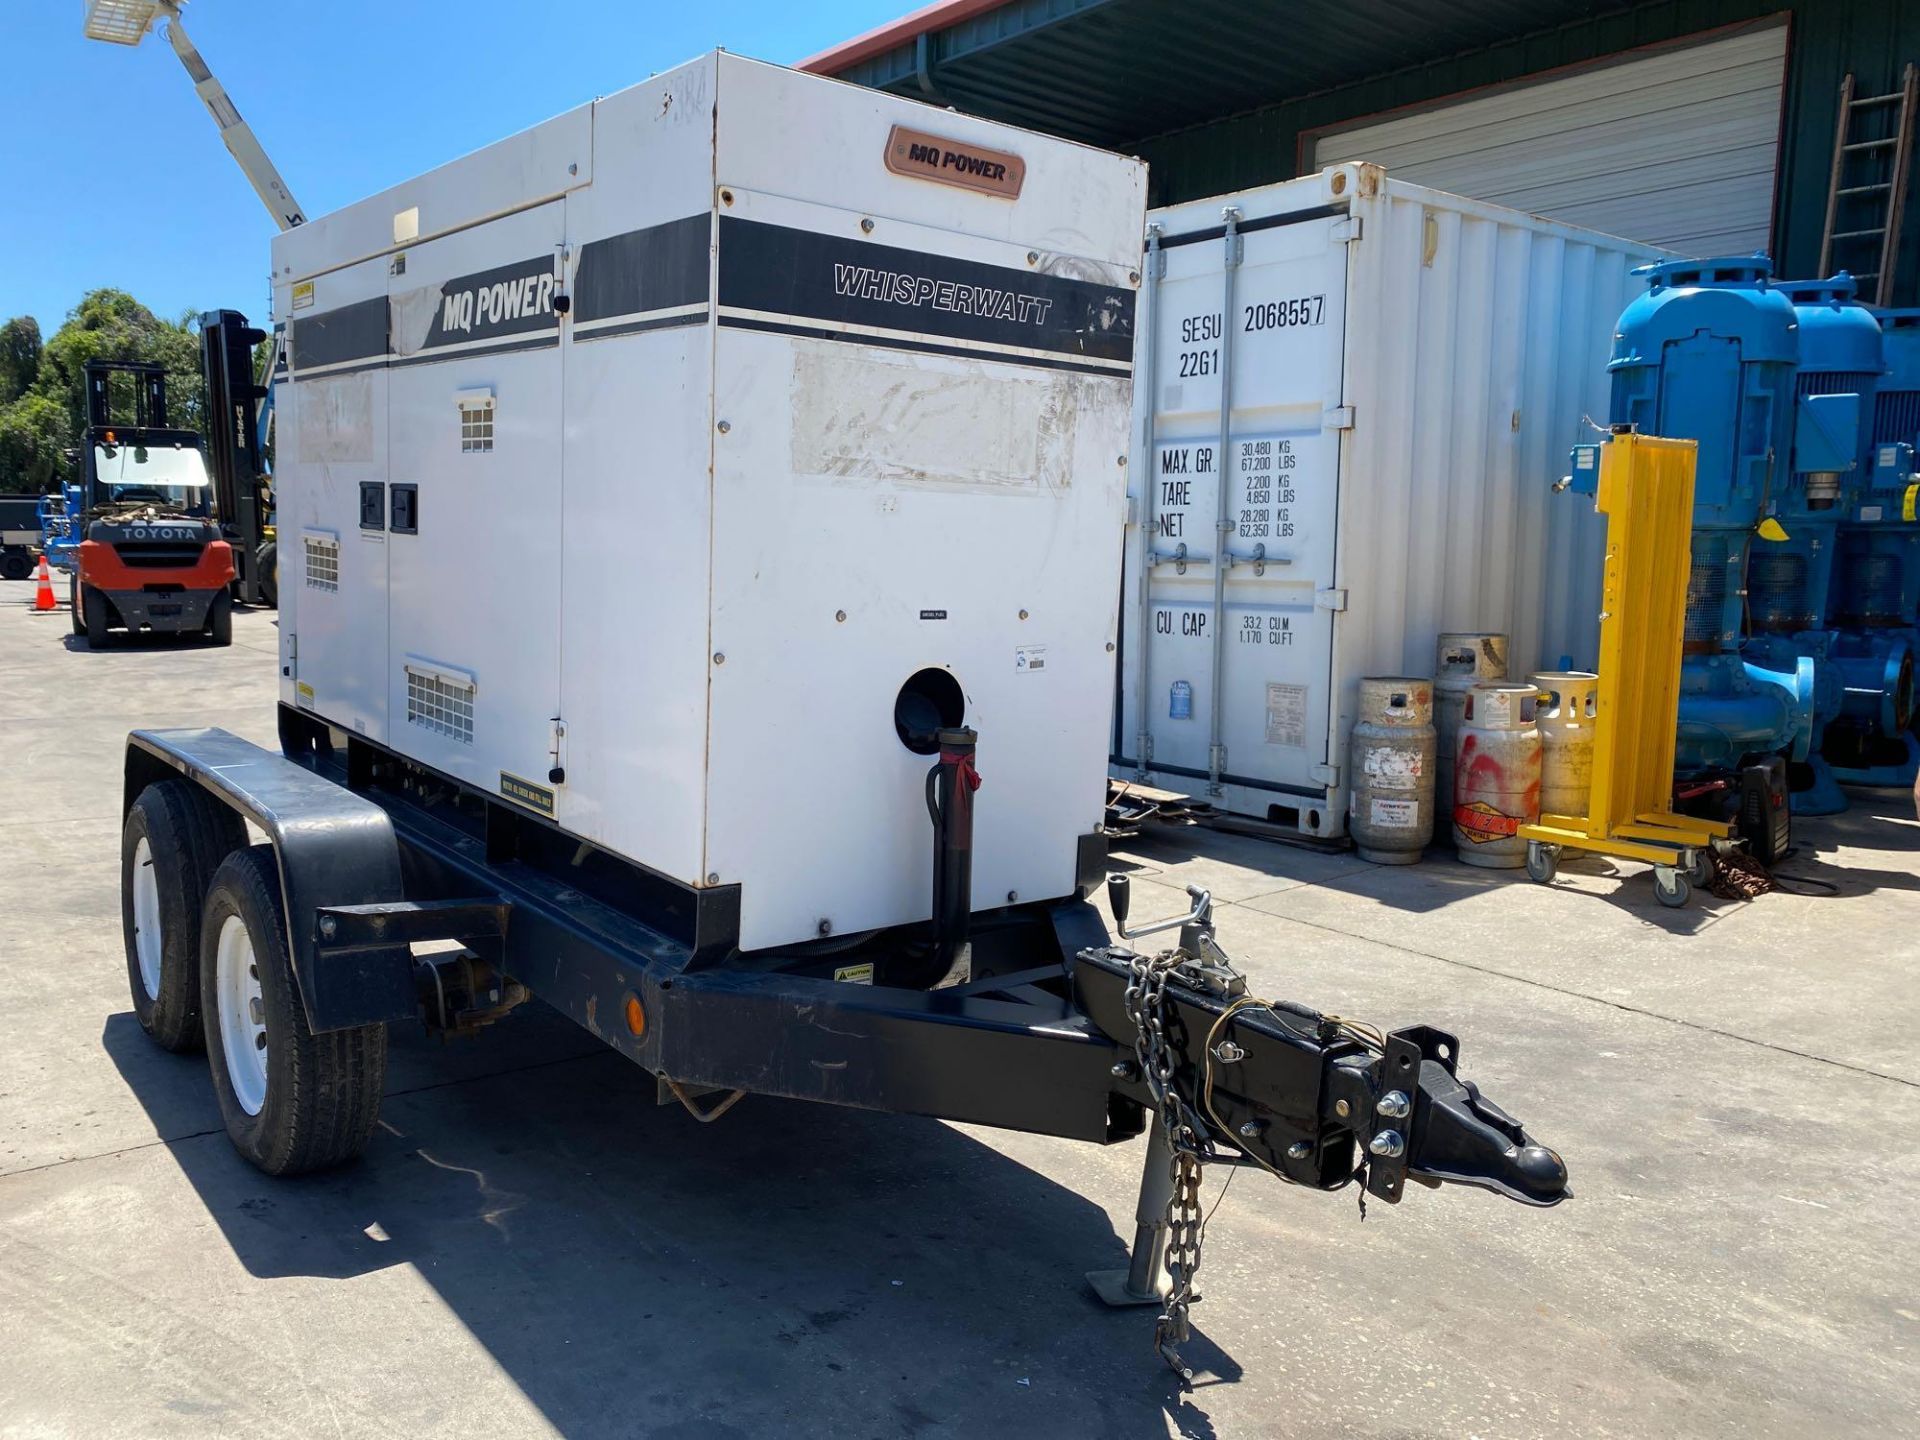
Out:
{"x": 243, "y": 1016}
{"x": 146, "y": 918}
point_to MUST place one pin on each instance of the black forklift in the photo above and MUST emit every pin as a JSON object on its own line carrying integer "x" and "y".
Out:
{"x": 236, "y": 454}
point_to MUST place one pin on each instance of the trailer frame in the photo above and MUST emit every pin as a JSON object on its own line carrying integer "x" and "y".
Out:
{"x": 1057, "y": 1031}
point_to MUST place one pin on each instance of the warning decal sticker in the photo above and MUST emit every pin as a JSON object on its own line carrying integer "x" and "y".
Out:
{"x": 1287, "y": 715}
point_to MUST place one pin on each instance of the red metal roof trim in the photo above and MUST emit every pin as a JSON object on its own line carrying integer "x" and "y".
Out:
{"x": 896, "y": 33}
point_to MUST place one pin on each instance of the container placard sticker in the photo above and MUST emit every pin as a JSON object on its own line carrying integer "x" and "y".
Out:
{"x": 1030, "y": 659}
{"x": 1395, "y": 814}
{"x": 1391, "y": 767}
{"x": 1287, "y": 715}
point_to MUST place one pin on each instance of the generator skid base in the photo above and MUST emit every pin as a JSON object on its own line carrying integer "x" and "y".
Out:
{"x": 1058, "y": 1030}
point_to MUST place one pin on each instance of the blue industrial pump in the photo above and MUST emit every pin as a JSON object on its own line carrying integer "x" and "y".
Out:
{"x": 1709, "y": 353}
{"x": 1792, "y": 585}
{"x": 1801, "y": 597}
{"x": 1876, "y": 594}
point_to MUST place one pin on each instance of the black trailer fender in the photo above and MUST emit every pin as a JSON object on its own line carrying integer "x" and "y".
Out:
{"x": 333, "y": 848}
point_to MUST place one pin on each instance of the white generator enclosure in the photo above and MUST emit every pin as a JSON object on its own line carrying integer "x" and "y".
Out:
{"x": 631, "y": 468}
{"x": 1399, "y": 374}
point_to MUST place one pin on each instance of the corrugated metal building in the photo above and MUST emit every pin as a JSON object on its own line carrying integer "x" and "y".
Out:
{"x": 1706, "y": 126}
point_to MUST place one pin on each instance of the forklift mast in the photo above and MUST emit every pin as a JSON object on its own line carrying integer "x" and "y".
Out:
{"x": 234, "y": 459}
{"x": 149, "y": 395}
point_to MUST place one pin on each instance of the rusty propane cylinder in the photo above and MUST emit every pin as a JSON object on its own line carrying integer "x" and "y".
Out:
{"x": 1465, "y": 658}
{"x": 1567, "y": 713}
{"x": 1390, "y": 808}
{"x": 1496, "y": 774}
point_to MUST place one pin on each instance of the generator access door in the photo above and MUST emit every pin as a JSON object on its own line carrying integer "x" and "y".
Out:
{"x": 473, "y": 504}
{"x": 330, "y": 489}
{"x": 1265, "y": 309}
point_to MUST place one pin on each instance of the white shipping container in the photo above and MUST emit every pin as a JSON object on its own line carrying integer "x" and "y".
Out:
{"x": 1407, "y": 370}
{"x": 633, "y": 466}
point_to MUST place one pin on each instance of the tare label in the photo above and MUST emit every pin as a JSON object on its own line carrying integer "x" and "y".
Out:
{"x": 1272, "y": 484}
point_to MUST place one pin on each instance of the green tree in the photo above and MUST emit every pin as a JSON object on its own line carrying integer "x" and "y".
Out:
{"x": 34, "y": 440}
{"x": 19, "y": 357}
{"x": 112, "y": 325}
{"x": 42, "y": 421}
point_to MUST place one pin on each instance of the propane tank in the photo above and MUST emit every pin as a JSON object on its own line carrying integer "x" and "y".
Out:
{"x": 1390, "y": 808}
{"x": 1496, "y": 774}
{"x": 1568, "y": 707}
{"x": 1465, "y": 658}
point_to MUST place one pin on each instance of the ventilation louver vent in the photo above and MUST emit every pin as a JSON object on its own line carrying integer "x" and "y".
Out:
{"x": 323, "y": 562}
{"x": 440, "y": 703}
{"x": 476, "y": 422}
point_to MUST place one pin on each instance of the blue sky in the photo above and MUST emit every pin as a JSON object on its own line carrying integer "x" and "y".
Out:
{"x": 111, "y": 172}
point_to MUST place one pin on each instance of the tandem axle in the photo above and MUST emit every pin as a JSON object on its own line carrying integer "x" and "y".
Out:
{"x": 289, "y": 959}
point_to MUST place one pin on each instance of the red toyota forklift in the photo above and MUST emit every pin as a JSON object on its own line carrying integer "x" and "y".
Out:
{"x": 151, "y": 557}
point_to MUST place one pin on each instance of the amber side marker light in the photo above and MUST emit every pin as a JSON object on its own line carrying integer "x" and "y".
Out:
{"x": 636, "y": 1016}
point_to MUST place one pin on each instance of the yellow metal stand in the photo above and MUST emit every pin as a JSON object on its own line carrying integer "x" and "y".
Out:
{"x": 1646, "y": 492}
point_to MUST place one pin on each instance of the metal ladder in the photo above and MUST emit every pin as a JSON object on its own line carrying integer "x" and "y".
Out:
{"x": 1890, "y": 184}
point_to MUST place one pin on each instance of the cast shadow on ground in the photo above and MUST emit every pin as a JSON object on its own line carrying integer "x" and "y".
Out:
{"x": 1878, "y": 820}
{"x": 636, "y": 1273}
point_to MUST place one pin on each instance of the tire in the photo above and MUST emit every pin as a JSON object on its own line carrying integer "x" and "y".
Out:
{"x": 293, "y": 1101}
{"x": 14, "y": 565}
{"x": 268, "y": 563}
{"x": 220, "y": 619}
{"x": 1542, "y": 862}
{"x": 96, "y": 616}
{"x": 73, "y": 604}
{"x": 1671, "y": 889}
{"x": 175, "y": 837}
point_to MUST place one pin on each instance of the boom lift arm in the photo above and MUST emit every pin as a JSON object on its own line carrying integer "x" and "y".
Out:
{"x": 237, "y": 459}
{"x": 126, "y": 22}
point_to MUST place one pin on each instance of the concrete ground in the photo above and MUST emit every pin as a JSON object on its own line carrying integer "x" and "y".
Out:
{"x": 531, "y": 1247}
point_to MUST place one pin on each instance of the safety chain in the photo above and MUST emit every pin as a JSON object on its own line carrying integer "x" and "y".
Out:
{"x": 1188, "y": 1138}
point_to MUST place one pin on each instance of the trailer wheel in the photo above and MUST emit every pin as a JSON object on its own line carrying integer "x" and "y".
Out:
{"x": 14, "y": 565}
{"x": 73, "y": 604}
{"x": 174, "y": 838}
{"x": 220, "y": 619}
{"x": 268, "y": 563}
{"x": 293, "y": 1101}
{"x": 95, "y": 614}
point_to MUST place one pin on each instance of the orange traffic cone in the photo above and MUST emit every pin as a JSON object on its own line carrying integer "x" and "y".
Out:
{"x": 43, "y": 600}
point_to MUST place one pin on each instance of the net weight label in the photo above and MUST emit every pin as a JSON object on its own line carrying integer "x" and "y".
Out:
{"x": 1267, "y": 469}
{"x": 1266, "y": 476}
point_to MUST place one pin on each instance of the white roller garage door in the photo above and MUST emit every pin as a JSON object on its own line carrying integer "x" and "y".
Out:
{"x": 1674, "y": 147}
